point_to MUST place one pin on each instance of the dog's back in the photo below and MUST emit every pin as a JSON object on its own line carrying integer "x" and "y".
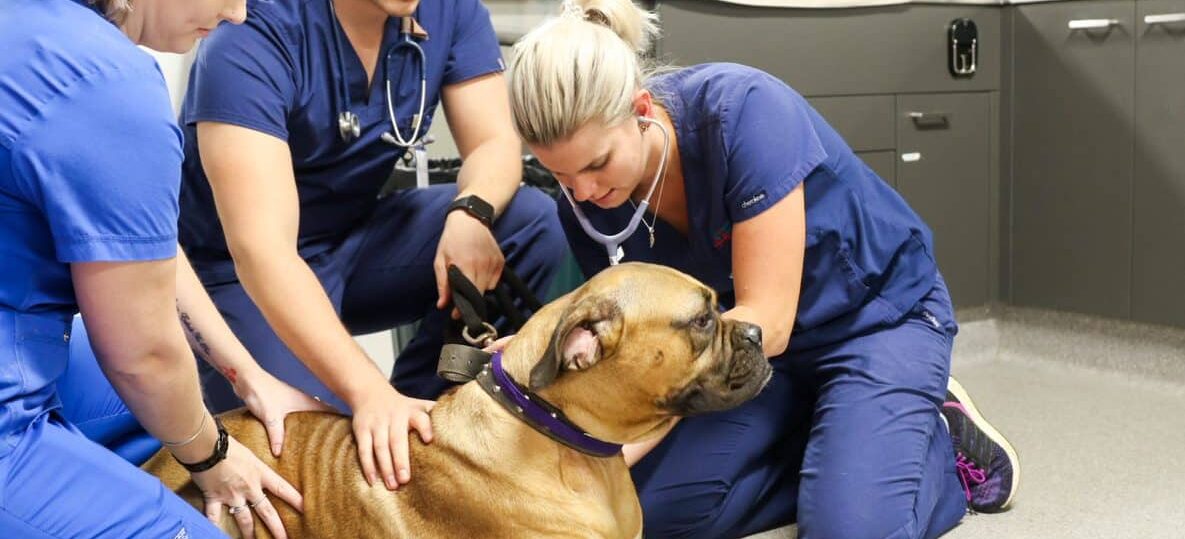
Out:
{"x": 475, "y": 479}
{"x": 317, "y": 459}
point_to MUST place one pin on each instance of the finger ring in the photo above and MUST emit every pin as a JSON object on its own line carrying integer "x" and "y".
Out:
{"x": 255, "y": 503}
{"x": 236, "y": 509}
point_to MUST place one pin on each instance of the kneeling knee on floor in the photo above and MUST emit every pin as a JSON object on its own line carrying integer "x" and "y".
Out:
{"x": 687, "y": 515}
{"x": 858, "y": 523}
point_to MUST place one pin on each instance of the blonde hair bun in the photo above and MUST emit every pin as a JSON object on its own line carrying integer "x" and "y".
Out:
{"x": 582, "y": 66}
{"x": 636, "y": 26}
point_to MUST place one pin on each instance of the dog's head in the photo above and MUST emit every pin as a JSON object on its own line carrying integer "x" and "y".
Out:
{"x": 639, "y": 344}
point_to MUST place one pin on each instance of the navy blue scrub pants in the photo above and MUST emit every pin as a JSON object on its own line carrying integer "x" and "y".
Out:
{"x": 381, "y": 276}
{"x": 846, "y": 440}
{"x": 56, "y": 483}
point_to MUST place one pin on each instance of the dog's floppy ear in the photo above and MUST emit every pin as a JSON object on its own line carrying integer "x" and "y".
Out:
{"x": 586, "y": 332}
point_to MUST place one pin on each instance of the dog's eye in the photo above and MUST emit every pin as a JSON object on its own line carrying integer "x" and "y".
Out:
{"x": 704, "y": 321}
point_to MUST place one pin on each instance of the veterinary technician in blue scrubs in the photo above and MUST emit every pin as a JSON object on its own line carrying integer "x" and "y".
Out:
{"x": 90, "y": 160}
{"x": 763, "y": 201}
{"x": 294, "y": 122}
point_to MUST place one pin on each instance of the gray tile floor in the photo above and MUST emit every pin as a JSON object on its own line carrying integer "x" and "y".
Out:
{"x": 1101, "y": 452}
{"x": 1095, "y": 409}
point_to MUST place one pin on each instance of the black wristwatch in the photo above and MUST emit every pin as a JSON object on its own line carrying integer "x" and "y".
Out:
{"x": 219, "y": 455}
{"x": 475, "y": 206}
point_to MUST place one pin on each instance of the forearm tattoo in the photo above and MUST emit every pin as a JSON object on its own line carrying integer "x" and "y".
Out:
{"x": 202, "y": 348}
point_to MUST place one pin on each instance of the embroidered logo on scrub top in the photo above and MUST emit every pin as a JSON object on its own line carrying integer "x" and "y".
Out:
{"x": 752, "y": 200}
{"x": 722, "y": 236}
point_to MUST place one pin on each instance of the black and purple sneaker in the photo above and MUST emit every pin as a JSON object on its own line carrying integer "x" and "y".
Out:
{"x": 987, "y": 464}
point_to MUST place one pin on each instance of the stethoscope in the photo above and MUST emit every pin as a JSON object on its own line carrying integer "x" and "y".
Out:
{"x": 613, "y": 242}
{"x": 348, "y": 124}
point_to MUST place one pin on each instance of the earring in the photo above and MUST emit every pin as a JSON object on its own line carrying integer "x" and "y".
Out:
{"x": 643, "y": 125}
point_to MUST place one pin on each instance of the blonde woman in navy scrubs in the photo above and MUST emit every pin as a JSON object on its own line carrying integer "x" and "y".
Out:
{"x": 855, "y": 436}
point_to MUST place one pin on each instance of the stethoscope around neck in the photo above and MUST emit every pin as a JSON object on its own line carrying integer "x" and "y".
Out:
{"x": 613, "y": 242}
{"x": 348, "y": 125}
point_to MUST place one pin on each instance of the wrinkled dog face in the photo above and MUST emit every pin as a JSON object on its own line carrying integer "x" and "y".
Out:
{"x": 655, "y": 337}
{"x": 731, "y": 367}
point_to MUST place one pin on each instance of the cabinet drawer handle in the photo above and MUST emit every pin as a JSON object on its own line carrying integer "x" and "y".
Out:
{"x": 911, "y": 157}
{"x": 1093, "y": 24}
{"x": 1164, "y": 18}
{"x": 930, "y": 119}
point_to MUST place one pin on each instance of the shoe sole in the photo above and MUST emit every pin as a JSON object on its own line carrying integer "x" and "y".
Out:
{"x": 994, "y": 435}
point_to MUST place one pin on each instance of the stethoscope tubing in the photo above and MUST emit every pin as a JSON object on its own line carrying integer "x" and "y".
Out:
{"x": 348, "y": 124}
{"x": 612, "y": 243}
{"x": 418, "y": 119}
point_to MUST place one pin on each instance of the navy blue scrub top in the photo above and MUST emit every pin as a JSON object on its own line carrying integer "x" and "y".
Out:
{"x": 279, "y": 74}
{"x": 90, "y": 161}
{"x": 746, "y": 140}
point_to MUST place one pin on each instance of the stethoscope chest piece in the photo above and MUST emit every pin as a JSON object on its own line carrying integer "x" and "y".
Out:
{"x": 348, "y": 126}
{"x": 617, "y": 257}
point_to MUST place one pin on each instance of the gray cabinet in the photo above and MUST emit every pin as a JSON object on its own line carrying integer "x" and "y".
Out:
{"x": 936, "y": 149}
{"x": 1158, "y": 264}
{"x": 1073, "y": 110}
{"x": 865, "y": 122}
{"x": 944, "y": 149}
{"x": 1058, "y": 175}
{"x": 879, "y": 50}
{"x": 864, "y": 70}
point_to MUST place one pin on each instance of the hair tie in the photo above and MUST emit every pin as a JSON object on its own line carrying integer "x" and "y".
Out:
{"x": 593, "y": 15}
{"x": 597, "y": 16}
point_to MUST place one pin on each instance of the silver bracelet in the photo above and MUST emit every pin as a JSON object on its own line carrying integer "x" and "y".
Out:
{"x": 189, "y": 440}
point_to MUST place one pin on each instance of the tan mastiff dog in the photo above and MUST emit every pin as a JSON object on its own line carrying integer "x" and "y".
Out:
{"x": 622, "y": 356}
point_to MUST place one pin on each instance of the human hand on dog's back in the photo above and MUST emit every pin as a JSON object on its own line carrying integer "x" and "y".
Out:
{"x": 240, "y": 481}
{"x": 271, "y": 400}
{"x": 382, "y": 419}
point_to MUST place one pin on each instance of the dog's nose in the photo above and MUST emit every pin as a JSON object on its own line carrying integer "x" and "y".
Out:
{"x": 752, "y": 333}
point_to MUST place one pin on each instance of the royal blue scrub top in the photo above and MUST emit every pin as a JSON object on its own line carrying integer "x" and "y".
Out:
{"x": 279, "y": 74}
{"x": 90, "y": 160}
{"x": 746, "y": 140}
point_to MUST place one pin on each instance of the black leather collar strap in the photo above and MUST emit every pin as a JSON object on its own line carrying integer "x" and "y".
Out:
{"x": 219, "y": 455}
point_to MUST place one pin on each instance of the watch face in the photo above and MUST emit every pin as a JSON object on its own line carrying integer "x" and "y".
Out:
{"x": 475, "y": 206}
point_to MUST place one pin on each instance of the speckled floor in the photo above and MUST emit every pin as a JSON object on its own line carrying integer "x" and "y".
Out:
{"x": 1096, "y": 410}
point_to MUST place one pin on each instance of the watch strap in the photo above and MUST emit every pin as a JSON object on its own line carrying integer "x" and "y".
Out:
{"x": 475, "y": 206}
{"x": 220, "y": 448}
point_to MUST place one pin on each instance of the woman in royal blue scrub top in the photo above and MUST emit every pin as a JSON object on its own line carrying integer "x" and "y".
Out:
{"x": 280, "y": 207}
{"x": 90, "y": 161}
{"x": 764, "y": 202}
